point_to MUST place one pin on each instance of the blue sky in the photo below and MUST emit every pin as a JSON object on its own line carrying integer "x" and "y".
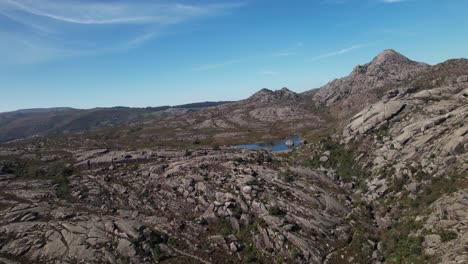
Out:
{"x": 103, "y": 53}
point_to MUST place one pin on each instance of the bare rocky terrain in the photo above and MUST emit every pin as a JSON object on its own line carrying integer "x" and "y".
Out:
{"x": 381, "y": 177}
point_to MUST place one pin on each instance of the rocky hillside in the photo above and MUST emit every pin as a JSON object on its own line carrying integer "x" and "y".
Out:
{"x": 27, "y": 123}
{"x": 266, "y": 115}
{"x": 408, "y": 170}
{"x": 388, "y": 68}
{"x": 384, "y": 182}
{"x": 146, "y": 205}
{"x": 416, "y": 152}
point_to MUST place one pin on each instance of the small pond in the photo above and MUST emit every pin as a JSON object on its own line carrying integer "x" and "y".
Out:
{"x": 279, "y": 145}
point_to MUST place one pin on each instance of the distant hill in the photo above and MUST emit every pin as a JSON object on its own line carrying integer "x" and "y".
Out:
{"x": 27, "y": 123}
{"x": 201, "y": 105}
{"x": 41, "y": 110}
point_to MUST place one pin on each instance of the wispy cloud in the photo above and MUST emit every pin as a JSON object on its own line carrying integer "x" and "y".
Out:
{"x": 340, "y": 52}
{"x": 106, "y": 12}
{"x": 17, "y": 49}
{"x": 80, "y": 27}
{"x": 290, "y": 51}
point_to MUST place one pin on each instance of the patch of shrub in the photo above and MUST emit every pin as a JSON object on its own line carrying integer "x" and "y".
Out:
{"x": 59, "y": 175}
{"x": 447, "y": 235}
{"x": 287, "y": 176}
{"x": 341, "y": 159}
{"x": 398, "y": 183}
{"x": 261, "y": 158}
{"x": 275, "y": 210}
{"x": 401, "y": 245}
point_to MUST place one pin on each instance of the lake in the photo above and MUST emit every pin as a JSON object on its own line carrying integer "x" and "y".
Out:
{"x": 278, "y": 145}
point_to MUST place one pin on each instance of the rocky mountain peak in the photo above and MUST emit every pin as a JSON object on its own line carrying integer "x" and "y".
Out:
{"x": 386, "y": 61}
{"x": 267, "y": 95}
{"x": 262, "y": 92}
{"x": 390, "y": 56}
{"x": 387, "y": 68}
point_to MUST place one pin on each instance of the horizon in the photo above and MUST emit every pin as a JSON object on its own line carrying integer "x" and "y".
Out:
{"x": 148, "y": 54}
{"x": 110, "y": 107}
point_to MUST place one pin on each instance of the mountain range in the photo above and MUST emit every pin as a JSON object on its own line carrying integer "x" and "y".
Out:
{"x": 380, "y": 176}
{"x": 26, "y": 123}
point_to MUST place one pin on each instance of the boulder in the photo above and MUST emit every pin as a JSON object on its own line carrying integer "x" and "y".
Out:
{"x": 289, "y": 143}
{"x": 126, "y": 248}
{"x": 462, "y": 79}
{"x": 373, "y": 116}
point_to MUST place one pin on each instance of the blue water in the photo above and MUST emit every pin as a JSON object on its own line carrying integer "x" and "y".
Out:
{"x": 279, "y": 145}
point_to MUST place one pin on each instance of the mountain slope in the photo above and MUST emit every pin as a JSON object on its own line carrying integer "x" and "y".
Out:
{"x": 414, "y": 146}
{"x": 56, "y": 121}
{"x": 389, "y": 68}
{"x": 265, "y": 116}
